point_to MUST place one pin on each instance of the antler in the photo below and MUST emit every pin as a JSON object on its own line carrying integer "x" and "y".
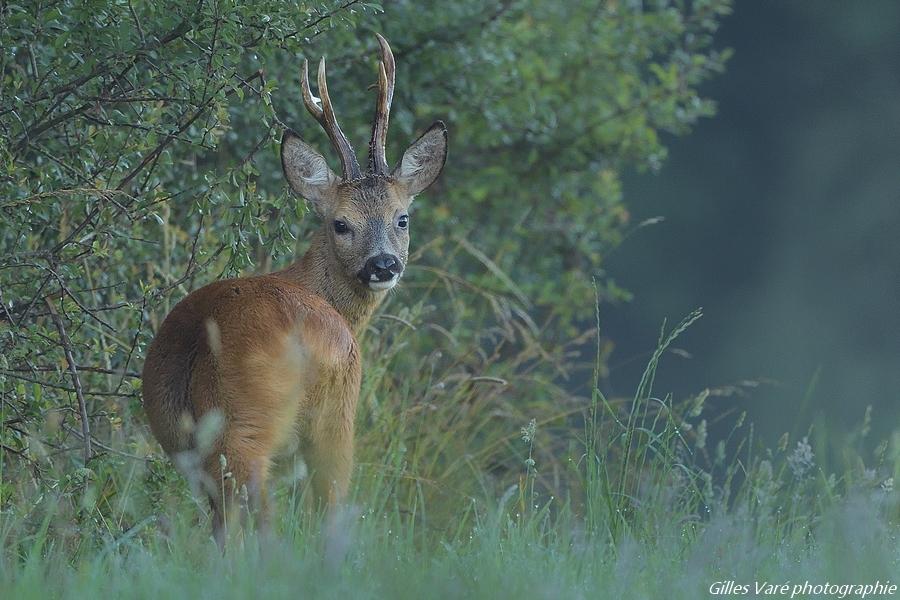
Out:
{"x": 386, "y": 75}
{"x": 326, "y": 118}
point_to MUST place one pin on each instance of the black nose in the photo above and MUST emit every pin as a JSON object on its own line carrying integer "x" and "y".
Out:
{"x": 382, "y": 267}
{"x": 383, "y": 262}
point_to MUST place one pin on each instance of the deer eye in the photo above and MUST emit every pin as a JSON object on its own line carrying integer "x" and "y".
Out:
{"x": 403, "y": 222}
{"x": 340, "y": 227}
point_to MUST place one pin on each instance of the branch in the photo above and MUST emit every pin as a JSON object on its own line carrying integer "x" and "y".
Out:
{"x": 82, "y": 406}
{"x": 65, "y": 388}
{"x": 50, "y": 369}
{"x": 104, "y": 446}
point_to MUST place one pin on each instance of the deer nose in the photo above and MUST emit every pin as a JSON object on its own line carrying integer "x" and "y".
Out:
{"x": 382, "y": 267}
{"x": 383, "y": 262}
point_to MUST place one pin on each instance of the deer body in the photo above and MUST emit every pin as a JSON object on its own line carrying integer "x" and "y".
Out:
{"x": 275, "y": 357}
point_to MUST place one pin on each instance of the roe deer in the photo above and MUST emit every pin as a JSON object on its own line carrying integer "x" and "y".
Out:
{"x": 275, "y": 356}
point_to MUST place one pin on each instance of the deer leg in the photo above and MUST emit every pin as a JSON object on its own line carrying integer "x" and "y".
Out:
{"x": 258, "y": 499}
{"x": 221, "y": 500}
{"x": 329, "y": 456}
{"x": 221, "y": 507}
{"x": 329, "y": 440}
{"x": 236, "y": 475}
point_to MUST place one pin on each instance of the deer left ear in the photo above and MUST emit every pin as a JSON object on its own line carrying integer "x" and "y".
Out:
{"x": 423, "y": 160}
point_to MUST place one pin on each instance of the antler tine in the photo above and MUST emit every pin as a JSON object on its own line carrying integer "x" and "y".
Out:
{"x": 338, "y": 139}
{"x": 308, "y": 99}
{"x": 386, "y": 78}
{"x": 326, "y": 118}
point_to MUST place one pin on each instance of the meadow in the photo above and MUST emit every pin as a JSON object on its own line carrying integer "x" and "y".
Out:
{"x": 637, "y": 507}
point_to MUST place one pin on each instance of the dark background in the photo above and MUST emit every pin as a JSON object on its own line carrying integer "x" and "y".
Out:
{"x": 782, "y": 220}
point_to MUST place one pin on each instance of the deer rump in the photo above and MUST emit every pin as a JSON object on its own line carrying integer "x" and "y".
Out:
{"x": 247, "y": 369}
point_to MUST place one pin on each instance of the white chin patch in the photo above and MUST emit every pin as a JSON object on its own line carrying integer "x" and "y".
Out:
{"x": 380, "y": 286}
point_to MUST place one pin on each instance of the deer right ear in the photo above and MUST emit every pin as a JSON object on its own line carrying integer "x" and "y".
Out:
{"x": 306, "y": 171}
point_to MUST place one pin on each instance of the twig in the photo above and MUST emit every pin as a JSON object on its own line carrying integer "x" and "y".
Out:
{"x": 56, "y": 386}
{"x": 486, "y": 379}
{"x": 76, "y": 380}
{"x": 104, "y": 446}
{"x": 188, "y": 275}
{"x": 398, "y": 319}
{"x": 65, "y": 388}
{"x": 13, "y": 450}
{"x": 8, "y": 316}
{"x": 134, "y": 341}
{"x": 67, "y": 292}
{"x": 33, "y": 300}
{"x": 49, "y": 369}
{"x": 137, "y": 22}
{"x": 309, "y": 24}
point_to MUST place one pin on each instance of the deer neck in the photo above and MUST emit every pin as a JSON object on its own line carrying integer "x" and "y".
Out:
{"x": 318, "y": 272}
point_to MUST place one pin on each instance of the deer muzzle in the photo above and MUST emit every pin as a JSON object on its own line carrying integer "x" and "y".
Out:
{"x": 381, "y": 271}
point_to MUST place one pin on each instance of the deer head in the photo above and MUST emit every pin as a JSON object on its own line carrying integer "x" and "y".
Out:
{"x": 365, "y": 214}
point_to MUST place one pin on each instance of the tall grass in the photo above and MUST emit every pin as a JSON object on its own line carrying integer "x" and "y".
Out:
{"x": 477, "y": 476}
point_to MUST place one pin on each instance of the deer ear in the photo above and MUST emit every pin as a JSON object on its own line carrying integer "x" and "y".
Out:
{"x": 306, "y": 171}
{"x": 423, "y": 160}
